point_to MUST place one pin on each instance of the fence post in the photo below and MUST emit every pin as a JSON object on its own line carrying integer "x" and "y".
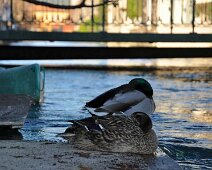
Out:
{"x": 92, "y": 17}
{"x": 154, "y": 12}
{"x": 171, "y": 16}
{"x": 144, "y": 12}
{"x": 11, "y": 14}
{"x": 103, "y": 16}
{"x": 193, "y": 15}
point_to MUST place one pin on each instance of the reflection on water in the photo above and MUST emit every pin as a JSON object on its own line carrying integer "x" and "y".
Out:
{"x": 182, "y": 119}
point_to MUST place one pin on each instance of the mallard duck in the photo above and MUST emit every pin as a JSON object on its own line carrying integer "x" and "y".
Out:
{"x": 136, "y": 96}
{"x": 116, "y": 133}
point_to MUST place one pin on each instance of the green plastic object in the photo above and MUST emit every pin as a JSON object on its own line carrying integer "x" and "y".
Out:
{"x": 28, "y": 80}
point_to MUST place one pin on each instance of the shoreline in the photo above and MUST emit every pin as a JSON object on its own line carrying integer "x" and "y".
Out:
{"x": 18, "y": 154}
{"x": 119, "y": 68}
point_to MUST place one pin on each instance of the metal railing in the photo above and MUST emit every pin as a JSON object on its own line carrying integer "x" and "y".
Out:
{"x": 116, "y": 16}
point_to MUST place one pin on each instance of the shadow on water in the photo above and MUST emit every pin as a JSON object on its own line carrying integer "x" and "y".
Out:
{"x": 6, "y": 133}
{"x": 35, "y": 111}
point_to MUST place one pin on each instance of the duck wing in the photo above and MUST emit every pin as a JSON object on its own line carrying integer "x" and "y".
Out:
{"x": 119, "y": 130}
{"x": 87, "y": 124}
{"x": 120, "y": 102}
{"x": 102, "y": 98}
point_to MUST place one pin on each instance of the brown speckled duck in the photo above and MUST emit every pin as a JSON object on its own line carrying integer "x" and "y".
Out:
{"x": 114, "y": 132}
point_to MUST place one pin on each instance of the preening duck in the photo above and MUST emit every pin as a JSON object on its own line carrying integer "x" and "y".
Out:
{"x": 116, "y": 133}
{"x": 136, "y": 96}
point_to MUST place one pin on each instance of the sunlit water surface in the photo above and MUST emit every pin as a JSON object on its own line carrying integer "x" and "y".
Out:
{"x": 183, "y": 117}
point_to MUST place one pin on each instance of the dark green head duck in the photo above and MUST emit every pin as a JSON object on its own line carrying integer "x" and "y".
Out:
{"x": 135, "y": 96}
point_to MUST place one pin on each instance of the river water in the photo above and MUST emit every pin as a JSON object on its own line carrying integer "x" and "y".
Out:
{"x": 182, "y": 120}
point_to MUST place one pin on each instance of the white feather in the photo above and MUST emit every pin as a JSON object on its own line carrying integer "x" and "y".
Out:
{"x": 121, "y": 101}
{"x": 147, "y": 106}
{"x": 92, "y": 111}
{"x": 130, "y": 97}
{"x": 101, "y": 127}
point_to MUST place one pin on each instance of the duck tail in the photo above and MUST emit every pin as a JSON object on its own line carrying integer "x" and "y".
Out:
{"x": 75, "y": 122}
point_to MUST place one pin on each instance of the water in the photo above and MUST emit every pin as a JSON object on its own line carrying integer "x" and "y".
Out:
{"x": 183, "y": 117}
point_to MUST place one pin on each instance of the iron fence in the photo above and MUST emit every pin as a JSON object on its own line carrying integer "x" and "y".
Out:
{"x": 115, "y": 16}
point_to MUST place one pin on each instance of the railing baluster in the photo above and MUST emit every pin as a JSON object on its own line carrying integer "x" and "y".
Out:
{"x": 103, "y": 16}
{"x": 182, "y": 12}
{"x": 11, "y": 14}
{"x": 92, "y": 17}
{"x": 193, "y": 15}
{"x": 171, "y": 16}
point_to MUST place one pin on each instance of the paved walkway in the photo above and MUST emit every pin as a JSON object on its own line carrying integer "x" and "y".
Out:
{"x": 46, "y": 155}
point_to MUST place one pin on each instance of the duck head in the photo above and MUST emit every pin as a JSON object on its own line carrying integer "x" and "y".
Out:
{"x": 143, "y": 120}
{"x": 142, "y": 85}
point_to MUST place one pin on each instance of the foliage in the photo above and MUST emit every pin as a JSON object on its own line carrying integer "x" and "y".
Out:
{"x": 97, "y": 25}
{"x": 204, "y": 9}
{"x": 134, "y": 8}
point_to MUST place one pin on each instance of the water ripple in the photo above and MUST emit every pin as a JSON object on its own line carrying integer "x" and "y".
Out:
{"x": 182, "y": 119}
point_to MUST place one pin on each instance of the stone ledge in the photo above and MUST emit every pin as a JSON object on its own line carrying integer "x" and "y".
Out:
{"x": 48, "y": 155}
